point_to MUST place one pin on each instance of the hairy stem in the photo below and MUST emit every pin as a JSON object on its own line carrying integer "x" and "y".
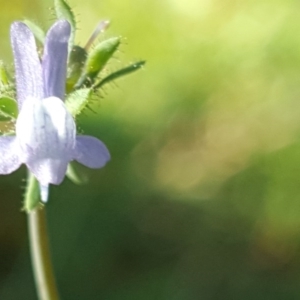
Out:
{"x": 39, "y": 248}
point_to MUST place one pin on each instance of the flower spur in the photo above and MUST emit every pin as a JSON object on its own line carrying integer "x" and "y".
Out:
{"x": 45, "y": 137}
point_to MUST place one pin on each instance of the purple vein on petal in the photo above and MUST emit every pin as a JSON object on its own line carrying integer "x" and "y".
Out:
{"x": 54, "y": 62}
{"x": 27, "y": 65}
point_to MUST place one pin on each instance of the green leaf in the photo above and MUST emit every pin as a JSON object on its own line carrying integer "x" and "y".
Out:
{"x": 37, "y": 31}
{"x": 76, "y": 63}
{"x": 97, "y": 59}
{"x": 120, "y": 73}
{"x": 78, "y": 100}
{"x": 8, "y": 108}
{"x": 64, "y": 11}
{"x": 76, "y": 173}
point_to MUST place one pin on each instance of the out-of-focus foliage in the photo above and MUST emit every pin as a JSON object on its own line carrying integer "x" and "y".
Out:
{"x": 202, "y": 197}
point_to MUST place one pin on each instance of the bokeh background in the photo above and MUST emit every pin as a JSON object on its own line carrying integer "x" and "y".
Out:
{"x": 201, "y": 199}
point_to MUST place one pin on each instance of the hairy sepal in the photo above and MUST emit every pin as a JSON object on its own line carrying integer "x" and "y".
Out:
{"x": 97, "y": 59}
{"x": 77, "y": 101}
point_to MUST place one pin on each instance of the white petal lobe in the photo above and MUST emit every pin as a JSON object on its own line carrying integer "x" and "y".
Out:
{"x": 46, "y": 134}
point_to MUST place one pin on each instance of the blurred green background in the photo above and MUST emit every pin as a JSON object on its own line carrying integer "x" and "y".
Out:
{"x": 201, "y": 199}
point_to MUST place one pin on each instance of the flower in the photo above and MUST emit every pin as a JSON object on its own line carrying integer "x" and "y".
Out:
{"x": 45, "y": 139}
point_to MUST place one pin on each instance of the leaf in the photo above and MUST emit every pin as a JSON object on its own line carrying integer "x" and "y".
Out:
{"x": 8, "y": 108}
{"x": 36, "y": 30}
{"x": 78, "y": 100}
{"x": 97, "y": 59}
{"x": 64, "y": 11}
{"x": 120, "y": 73}
{"x": 76, "y": 173}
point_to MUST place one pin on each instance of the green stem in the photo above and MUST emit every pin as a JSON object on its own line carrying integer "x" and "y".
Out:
{"x": 39, "y": 248}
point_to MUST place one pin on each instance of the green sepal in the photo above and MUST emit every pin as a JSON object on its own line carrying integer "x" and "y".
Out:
{"x": 8, "y": 108}
{"x": 32, "y": 194}
{"x": 120, "y": 73}
{"x": 78, "y": 100}
{"x": 76, "y": 63}
{"x": 64, "y": 11}
{"x": 7, "y": 86}
{"x": 97, "y": 59}
{"x": 37, "y": 31}
{"x": 76, "y": 173}
{"x": 4, "y": 78}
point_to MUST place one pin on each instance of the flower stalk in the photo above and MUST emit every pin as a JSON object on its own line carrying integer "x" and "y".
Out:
{"x": 49, "y": 91}
{"x": 39, "y": 248}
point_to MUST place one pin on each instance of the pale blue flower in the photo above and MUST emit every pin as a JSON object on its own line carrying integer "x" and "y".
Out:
{"x": 45, "y": 138}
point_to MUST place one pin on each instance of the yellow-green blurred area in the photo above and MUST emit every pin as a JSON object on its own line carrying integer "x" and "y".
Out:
{"x": 201, "y": 199}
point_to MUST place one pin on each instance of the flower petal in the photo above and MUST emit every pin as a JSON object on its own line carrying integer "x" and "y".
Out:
{"x": 27, "y": 65}
{"x": 47, "y": 170}
{"x": 9, "y": 155}
{"x": 45, "y": 129}
{"x": 54, "y": 60}
{"x": 91, "y": 152}
{"x": 46, "y": 134}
